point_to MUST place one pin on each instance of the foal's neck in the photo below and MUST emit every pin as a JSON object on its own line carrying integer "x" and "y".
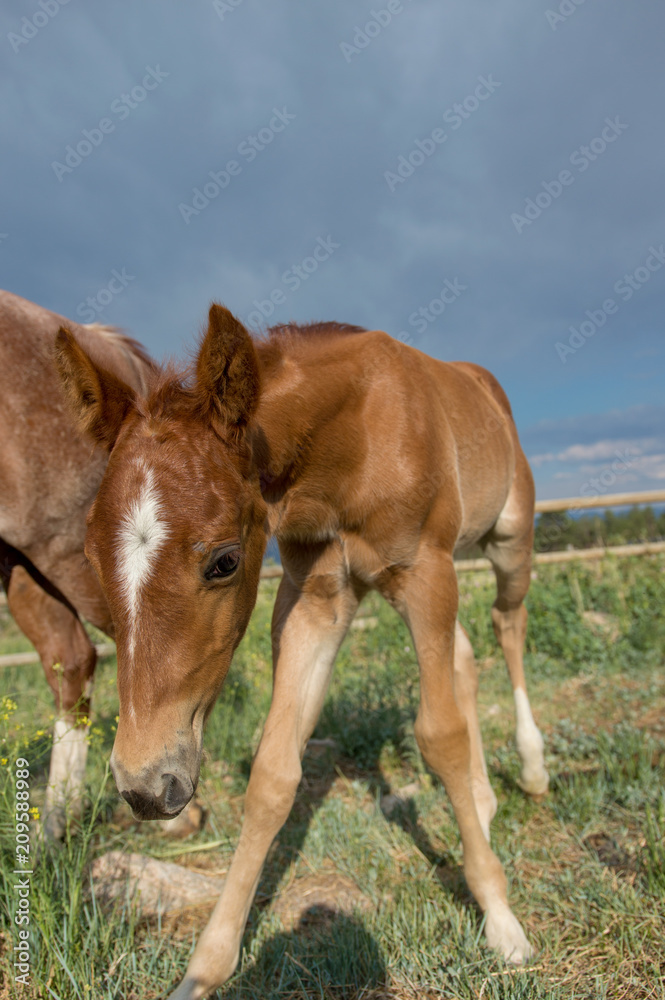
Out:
{"x": 301, "y": 398}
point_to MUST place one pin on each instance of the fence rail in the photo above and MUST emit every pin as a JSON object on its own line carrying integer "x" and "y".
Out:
{"x": 611, "y": 500}
{"x": 18, "y": 659}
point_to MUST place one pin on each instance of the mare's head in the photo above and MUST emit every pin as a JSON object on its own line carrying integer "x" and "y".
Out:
{"x": 176, "y": 534}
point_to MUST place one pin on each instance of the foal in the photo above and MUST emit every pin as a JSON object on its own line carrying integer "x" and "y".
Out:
{"x": 370, "y": 463}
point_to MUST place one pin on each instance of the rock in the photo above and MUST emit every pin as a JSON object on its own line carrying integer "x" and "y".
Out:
{"x": 189, "y": 821}
{"x": 390, "y": 802}
{"x": 601, "y": 622}
{"x": 160, "y": 887}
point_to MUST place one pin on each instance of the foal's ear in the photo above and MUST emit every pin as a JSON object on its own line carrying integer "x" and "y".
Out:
{"x": 227, "y": 370}
{"x": 100, "y": 399}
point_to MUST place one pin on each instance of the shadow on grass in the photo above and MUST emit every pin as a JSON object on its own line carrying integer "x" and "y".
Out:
{"x": 320, "y": 770}
{"x": 326, "y": 955}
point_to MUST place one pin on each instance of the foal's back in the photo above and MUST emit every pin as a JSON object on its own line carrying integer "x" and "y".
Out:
{"x": 406, "y": 438}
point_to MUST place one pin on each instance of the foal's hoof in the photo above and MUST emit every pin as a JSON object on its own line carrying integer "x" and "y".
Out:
{"x": 189, "y": 989}
{"x": 504, "y": 934}
{"x": 535, "y": 783}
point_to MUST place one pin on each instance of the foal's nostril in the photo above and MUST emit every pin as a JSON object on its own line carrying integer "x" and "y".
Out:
{"x": 141, "y": 805}
{"x": 175, "y": 794}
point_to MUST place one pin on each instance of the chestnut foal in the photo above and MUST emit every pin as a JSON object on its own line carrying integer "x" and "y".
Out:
{"x": 370, "y": 462}
{"x": 49, "y": 475}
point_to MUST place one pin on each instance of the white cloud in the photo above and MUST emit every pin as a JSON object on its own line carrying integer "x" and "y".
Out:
{"x": 608, "y": 450}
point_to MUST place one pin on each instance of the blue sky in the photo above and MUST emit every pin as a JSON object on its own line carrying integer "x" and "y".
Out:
{"x": 365, "y": 159}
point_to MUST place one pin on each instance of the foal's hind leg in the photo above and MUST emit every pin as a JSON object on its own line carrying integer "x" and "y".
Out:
{"x": 466, "y": 694}
{"x": 427, "y": 598}
{"x": 508, "y": 546}
{"x": 68, "y": 658}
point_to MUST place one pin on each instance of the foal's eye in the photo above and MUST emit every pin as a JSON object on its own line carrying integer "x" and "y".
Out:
{"x": 224, "y": 565}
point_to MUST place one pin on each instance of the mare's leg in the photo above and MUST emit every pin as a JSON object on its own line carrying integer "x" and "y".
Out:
{"x": 68, "y": 658}
{"x": 309, "y": 624}
{"x": 508, "y": 546}
{"x": 426, "y": 596}
{"x": 466, "y": 694}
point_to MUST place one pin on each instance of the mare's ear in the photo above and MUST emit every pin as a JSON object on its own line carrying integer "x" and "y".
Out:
{"x": 227, "y": 371}
{"x": 99, "y": 399}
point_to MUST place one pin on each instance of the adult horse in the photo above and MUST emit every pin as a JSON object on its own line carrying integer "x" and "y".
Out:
{"x": 371, "y": 463}
{"x": 49, "y": 475}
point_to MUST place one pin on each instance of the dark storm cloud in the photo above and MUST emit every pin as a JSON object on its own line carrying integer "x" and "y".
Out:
{"x": 477, "y": 108}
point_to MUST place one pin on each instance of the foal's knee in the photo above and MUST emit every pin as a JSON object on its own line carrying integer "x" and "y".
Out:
{"x": 69, "y": 673}
{"x": 273, "y": 785}
{"x": 443, "y": 742}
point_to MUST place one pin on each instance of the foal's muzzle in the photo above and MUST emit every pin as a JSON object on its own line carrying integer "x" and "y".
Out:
{"x": 154, "y": 796}
{"x": 174, "y": 796}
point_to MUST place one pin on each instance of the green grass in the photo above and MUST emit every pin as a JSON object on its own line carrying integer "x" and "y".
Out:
{"x": 586, "y": 866}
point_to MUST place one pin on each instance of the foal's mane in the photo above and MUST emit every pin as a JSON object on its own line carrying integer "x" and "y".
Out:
{"x": 283, "y": 338}
{"x": 315, "y": 329}
{"x": 171, "y": 385}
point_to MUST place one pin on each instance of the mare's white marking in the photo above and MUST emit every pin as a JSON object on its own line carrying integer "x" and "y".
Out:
{"x": 141, "y": 535}
{"x": 66, "y": 775}
{"x": 530, "y": 747}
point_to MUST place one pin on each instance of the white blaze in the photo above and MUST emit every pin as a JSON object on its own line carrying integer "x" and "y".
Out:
{"x": 142, "y": 533}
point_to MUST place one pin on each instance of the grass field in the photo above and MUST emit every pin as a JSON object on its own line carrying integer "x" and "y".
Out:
{"x": 586, "y": 866}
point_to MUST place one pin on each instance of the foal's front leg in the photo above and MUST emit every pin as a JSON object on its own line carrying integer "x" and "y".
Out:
{"x": 307, "y": 632}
